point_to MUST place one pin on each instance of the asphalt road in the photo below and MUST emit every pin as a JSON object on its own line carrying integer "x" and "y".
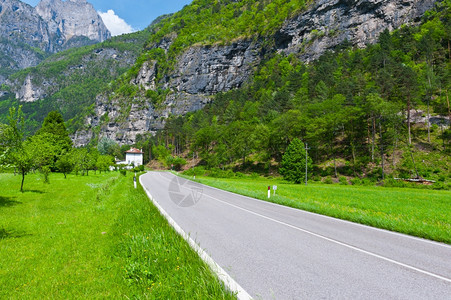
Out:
{"x": 276, "y": 252}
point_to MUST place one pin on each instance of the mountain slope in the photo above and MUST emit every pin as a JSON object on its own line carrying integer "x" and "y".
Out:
{"x": 70, "y": 80}
{"x": 211, "y": 47}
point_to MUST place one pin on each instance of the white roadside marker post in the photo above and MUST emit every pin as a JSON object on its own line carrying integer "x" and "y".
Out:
{"x": 134, "y": 180}
{"x": 269, "y": 191}
{"x": 274, "y": 188}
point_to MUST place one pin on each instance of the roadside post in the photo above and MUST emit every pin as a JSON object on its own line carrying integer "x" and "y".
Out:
{"x": 134, "y": 180}
{"x": 269, "y": 191}
{"x": 274, "y": 188}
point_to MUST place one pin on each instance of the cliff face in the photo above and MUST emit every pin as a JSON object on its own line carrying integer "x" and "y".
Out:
{"x": 28, "y": 35}
{"x": 21, "y": 29}
{"x": 330, "y": 22}
{"x": 202, "y": 71}
{"x": 72, "y": 18}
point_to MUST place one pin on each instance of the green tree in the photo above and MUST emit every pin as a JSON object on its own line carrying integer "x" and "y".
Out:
{"x": 54, "y": 124}
{"x": 23, "y": 160}
{"x": 65, "y": 163}
{"x": 104, "y": 162}
{"x": 292, "y": 167}
{"x": 107, "y": 146}
{"x": 44, "y": 151}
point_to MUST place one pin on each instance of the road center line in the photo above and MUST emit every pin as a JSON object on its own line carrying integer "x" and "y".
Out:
{"x": 331, "y": 240}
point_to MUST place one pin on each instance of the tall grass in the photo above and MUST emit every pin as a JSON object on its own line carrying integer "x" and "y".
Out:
{"x": 93, "y": 237}
{"x": 418, "y": 212}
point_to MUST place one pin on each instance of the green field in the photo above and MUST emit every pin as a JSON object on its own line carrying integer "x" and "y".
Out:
{"x": 93, "y": 237}
{"x": 418, "y": 212}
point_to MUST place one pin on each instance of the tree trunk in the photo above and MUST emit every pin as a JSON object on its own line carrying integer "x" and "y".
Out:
{"x": 374, "y": 138}
{"x": 413, "y": 161}
{"x": 353, "y": 158}
{"x": 382, "y": 151}
{"x": 449, "y": 111}
{"x": 64, "y": 175}
{"x": 429, "y": 124}
{"x": 408, "y": 121}
{"x": 394, "y": 151}
{"x": 333, "y": 155}
{"x": 23, "y": 179}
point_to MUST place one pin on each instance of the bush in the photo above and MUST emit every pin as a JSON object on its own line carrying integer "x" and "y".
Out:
{"x": 176, "y": 162}
{"x": 254, "y": 175}
{"x": 198, "y": 171}
{"x": 141, "y": 168}
{"x": 316, "y": 178}
{"x": 328, "y": 180}
{"x": 239, "y": 175}
{"x": 343, "y": 180}
{"x": 123, "y": 172}
{"x": 356, "y": 181}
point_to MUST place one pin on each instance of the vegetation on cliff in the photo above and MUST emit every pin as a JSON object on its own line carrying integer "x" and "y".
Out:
{"x": 353, "y": 107}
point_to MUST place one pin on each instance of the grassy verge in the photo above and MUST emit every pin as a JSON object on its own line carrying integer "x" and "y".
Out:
{"x": 93, "y": 237}
{"x": 418, "y": 212}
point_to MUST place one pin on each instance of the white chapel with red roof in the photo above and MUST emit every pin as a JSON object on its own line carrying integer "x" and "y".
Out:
{"x": 134, "y": 157}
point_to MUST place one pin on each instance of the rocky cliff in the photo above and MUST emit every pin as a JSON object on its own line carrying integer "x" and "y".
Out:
{"x": 203, "y": 71}
{"x": 329, "y": 23}
{"x": 28, "y": 35}
{"x": 71, "y": 19}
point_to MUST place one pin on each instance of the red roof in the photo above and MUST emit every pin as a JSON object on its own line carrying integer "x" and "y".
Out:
{"x": 134, "y": 150}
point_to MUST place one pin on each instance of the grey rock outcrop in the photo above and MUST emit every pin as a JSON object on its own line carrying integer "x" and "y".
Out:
{"x": 209, "y": 70}
{"x": 329, "y": 23}
{"x": 70, "y": 19}
{"x": 200, "y": 72}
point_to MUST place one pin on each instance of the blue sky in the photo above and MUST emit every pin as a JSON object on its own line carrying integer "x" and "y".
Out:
{"x": 136, "y": 13}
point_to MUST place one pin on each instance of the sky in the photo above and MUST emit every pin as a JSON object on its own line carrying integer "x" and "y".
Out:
{"x": 125, "y": 16}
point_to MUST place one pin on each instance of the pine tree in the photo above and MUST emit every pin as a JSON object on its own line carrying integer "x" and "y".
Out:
{"x": 293, "y": 162}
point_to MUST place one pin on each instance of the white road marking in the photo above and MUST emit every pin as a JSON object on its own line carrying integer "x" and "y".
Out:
{"x": 332, "y": 240}
{"x": 229, "y": 282}
{"x": 332, "y": 218}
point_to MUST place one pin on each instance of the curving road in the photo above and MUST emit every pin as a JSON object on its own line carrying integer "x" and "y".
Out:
{"x": 276, "y": 252}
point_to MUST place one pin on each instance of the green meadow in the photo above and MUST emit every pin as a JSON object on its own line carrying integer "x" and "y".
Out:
{"x": 419, "y": 212}
{"x": 93, "y": 237}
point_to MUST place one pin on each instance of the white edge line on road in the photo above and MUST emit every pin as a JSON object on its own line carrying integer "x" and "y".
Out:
{"x": 326, "y": 238}
{"x": 229, "y": 282}
{"x": 337, "y": 242}
{"x": 328, "y": 217}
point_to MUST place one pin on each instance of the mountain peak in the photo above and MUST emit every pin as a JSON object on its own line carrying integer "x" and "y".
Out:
{"x": 73, "y": 18}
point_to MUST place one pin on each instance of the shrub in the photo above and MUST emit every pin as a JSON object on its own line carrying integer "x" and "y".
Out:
{"x": 176, "y": 162}
{"x": 316, "y": 178}
{"x": 239, "y": 175}
{"x": 343, "y": 180}
{"x": 123, "y": 172}
{"x": 356, "y": 181}
{"x": 328, "y": 180}
{"x": 254, "y": 175}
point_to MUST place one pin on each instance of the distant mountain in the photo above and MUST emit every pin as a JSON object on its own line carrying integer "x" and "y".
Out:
{"x": 28, "y": 35}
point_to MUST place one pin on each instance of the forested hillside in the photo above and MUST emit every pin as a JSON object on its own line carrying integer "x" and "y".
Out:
{"x": 353, "y": 107}
{"x": 69, "y": 81}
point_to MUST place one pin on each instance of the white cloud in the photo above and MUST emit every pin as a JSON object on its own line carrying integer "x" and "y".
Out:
{"x": 114, "y": 23}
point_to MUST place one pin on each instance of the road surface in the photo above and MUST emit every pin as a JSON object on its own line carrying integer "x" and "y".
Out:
{"x": 276, "y": 252}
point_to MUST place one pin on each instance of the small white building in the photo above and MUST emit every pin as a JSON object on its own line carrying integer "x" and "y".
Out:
{"x": 134, "y": 157}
